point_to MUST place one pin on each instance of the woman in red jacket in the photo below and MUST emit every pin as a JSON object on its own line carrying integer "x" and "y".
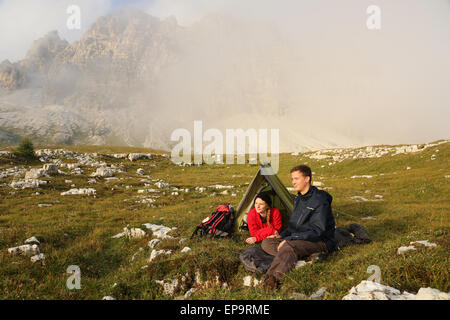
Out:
{"x": 262, "y": 220}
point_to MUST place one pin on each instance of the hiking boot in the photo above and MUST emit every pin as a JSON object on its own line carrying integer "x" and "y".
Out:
{"x": 271, "y": 283}
{"x": 317, "y": 257}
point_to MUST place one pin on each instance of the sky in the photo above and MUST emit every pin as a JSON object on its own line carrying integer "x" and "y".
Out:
{"x": 395, "y": 78}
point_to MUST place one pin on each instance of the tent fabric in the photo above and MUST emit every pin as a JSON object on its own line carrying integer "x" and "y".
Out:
{"x": 266, "y": 180}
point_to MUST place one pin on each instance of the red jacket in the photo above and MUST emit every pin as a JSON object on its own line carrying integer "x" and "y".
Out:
{"x": 259, "y": 230}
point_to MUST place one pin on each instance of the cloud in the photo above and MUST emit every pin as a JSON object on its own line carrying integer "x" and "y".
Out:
{"x": 23, "y": 21}
{"x": 386, "y": 85}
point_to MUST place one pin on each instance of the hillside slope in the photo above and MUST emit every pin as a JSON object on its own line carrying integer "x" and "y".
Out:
{"x": 400, "y": 194}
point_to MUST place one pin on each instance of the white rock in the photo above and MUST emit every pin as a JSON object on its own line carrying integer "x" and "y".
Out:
{"x": 140, "y": 171}
{"x": 368, "y": 290}
{"x": 40, "y": 205}
{"x": 26, "y": 250}
{"x": 153, "y": 243}
{"x": 26, "y": 184}
{"x": 319, "y": 293}
{"x": 119, "y": 235}
{"x": 300, "y": 263}
{"x": 189, "y": 293}
{"x": 363, "y": 176}
{"x": 136, "y": 156}
{"x": 423, "y": 242}
{"x": 35, "y": 173}
{"x": 72, "y": 166}
{"x": 51, "y": 168}
{"x": 82, "y": 191}
{"x": 170, "y": 286}
{"x": 249, "y": 281}
{"x": 38, "y": 257}
{"x": 219, "y": 186}
{"x": 108, "y": 298}
{"x": 161, "y": 185}
{"x": 104, "y": 172}
{"x": 134, "y": 233}
{"x": 185, "y": 249}
{"x": 156, "y": 253}
{"x": 359, "y": 198}
{"x": 159, "y": 231}
{"x": 431, "y": 294}
{"x": 33, "y": 239}
{"x": 402, "y": 250}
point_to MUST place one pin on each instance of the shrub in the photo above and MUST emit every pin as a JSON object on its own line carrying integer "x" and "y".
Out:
{"x": 25, "y": 150}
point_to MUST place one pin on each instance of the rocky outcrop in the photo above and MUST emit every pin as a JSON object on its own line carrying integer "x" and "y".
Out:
{"x": 42, "y": 53}
{"x": 368, "y": 290}
{"x": 12, "y": 77}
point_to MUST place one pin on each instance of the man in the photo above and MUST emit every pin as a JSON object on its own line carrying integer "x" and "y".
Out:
{"x": 310, "y": 229}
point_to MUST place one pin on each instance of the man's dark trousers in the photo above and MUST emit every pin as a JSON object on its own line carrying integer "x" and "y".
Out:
{"x": 289, "y": 254}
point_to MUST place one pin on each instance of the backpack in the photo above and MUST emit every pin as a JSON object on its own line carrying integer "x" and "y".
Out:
{"x": 353, "y": 234}
{"x": 219, "y": 224}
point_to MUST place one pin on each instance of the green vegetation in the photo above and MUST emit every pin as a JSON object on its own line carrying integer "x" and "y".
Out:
{"x": 77, "y": 230}
{"x": 25, "y": 151}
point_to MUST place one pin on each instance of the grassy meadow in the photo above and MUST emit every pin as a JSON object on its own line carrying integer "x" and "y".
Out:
{"x": 77, "y": 229}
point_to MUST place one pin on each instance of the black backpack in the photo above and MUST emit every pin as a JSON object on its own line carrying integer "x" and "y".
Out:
{"x": 353, "y": 234}
{"x": 220, "y": 223}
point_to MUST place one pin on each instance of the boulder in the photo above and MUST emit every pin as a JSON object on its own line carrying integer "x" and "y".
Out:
{"x": 185, "y": 249}
{"x": 27, "y": 184}
{"x": 404, "y": 249}
{"x": 82, "y": 191}
{"x": 26, "y": 250}
{"x": 431, "y": 294}
{"x": 38, "y": 257}
{"x": 154, "y": 243}
{"x": 159, "y": 231}
{"x": 368, "y": 290}
{"x": 104, "y": 172}
{"x": 33, "y": 239}
{"x": 51, "y": 168}
{"x": 134, "y": 233}
{"x": 156, "y": 253}
{"x": 35, "y": 173}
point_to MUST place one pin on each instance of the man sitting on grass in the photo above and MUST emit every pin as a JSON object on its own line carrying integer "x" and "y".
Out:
{"x": 310, "y": 229}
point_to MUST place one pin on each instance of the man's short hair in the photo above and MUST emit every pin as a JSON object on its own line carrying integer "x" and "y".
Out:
{"x": 304, "y": 169}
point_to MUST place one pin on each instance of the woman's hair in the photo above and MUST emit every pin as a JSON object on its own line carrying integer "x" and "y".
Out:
{"x": 266, "y": 198}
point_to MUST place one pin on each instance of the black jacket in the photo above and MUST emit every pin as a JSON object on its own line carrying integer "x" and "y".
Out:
{"x": 312, "y": 219}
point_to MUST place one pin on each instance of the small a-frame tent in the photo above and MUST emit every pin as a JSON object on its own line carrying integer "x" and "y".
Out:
{"x": 265, "y": 181}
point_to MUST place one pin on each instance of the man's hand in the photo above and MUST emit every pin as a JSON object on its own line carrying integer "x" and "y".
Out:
{"x": 281, "y": 244}
{"x": 251, "y": 240}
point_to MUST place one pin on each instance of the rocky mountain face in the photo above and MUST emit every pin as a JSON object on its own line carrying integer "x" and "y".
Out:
{"x": 132, "y": 79}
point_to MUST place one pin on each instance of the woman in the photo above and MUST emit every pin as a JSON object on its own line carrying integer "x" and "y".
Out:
{"x": 262, "y": 220}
